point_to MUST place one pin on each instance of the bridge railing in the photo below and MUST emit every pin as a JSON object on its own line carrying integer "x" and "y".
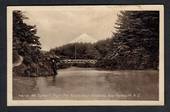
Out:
{"x": 91, "y": 61}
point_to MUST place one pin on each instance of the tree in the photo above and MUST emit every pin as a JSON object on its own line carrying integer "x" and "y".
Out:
{"x": 135, "y": 45}
{"x": 103, "y": 47}
{"x": 25, "y": 41}
{"x": 136, "y": 42}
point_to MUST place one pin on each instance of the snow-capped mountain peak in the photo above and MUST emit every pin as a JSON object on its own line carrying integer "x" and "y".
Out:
{"x": 84, "y": 38}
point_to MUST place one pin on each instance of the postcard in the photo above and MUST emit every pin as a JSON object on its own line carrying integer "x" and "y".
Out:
{"x": 85, "y": 55}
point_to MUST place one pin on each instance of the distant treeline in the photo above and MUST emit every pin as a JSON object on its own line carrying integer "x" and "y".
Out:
{"x": 134, "y": 45}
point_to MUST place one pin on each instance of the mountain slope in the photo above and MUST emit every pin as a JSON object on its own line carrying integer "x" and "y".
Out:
{"x": 84, "y": 38}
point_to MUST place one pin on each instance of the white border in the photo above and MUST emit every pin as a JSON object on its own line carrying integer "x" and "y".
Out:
{"x": 11, "y": 102}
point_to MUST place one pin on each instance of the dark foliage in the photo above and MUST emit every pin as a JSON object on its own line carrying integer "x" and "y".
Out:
{"x": 135, "y": 45}
{"x": 76, "y": 50}
{"x": 27, "y": 45}
{"x": 25, "y": 42}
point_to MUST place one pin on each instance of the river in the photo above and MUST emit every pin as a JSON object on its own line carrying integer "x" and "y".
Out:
{"x": 89, "y": 84}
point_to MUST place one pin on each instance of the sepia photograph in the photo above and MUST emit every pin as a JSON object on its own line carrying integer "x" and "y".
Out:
{"x": 85, "y": 55}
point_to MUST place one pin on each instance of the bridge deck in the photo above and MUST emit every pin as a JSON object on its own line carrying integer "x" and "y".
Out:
{"x": 92, "y": 61}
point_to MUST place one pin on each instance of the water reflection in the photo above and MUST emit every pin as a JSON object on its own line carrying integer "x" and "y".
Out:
{"x": 88, "y": 83}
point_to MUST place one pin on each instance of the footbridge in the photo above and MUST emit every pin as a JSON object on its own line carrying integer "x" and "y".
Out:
{"x": 78, "y": 61}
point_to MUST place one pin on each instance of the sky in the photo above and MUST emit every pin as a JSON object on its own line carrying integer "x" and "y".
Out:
{"x": 60, "y": 25}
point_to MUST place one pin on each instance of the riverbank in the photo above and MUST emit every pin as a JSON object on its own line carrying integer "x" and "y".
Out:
{"x": 20, "y": 70}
